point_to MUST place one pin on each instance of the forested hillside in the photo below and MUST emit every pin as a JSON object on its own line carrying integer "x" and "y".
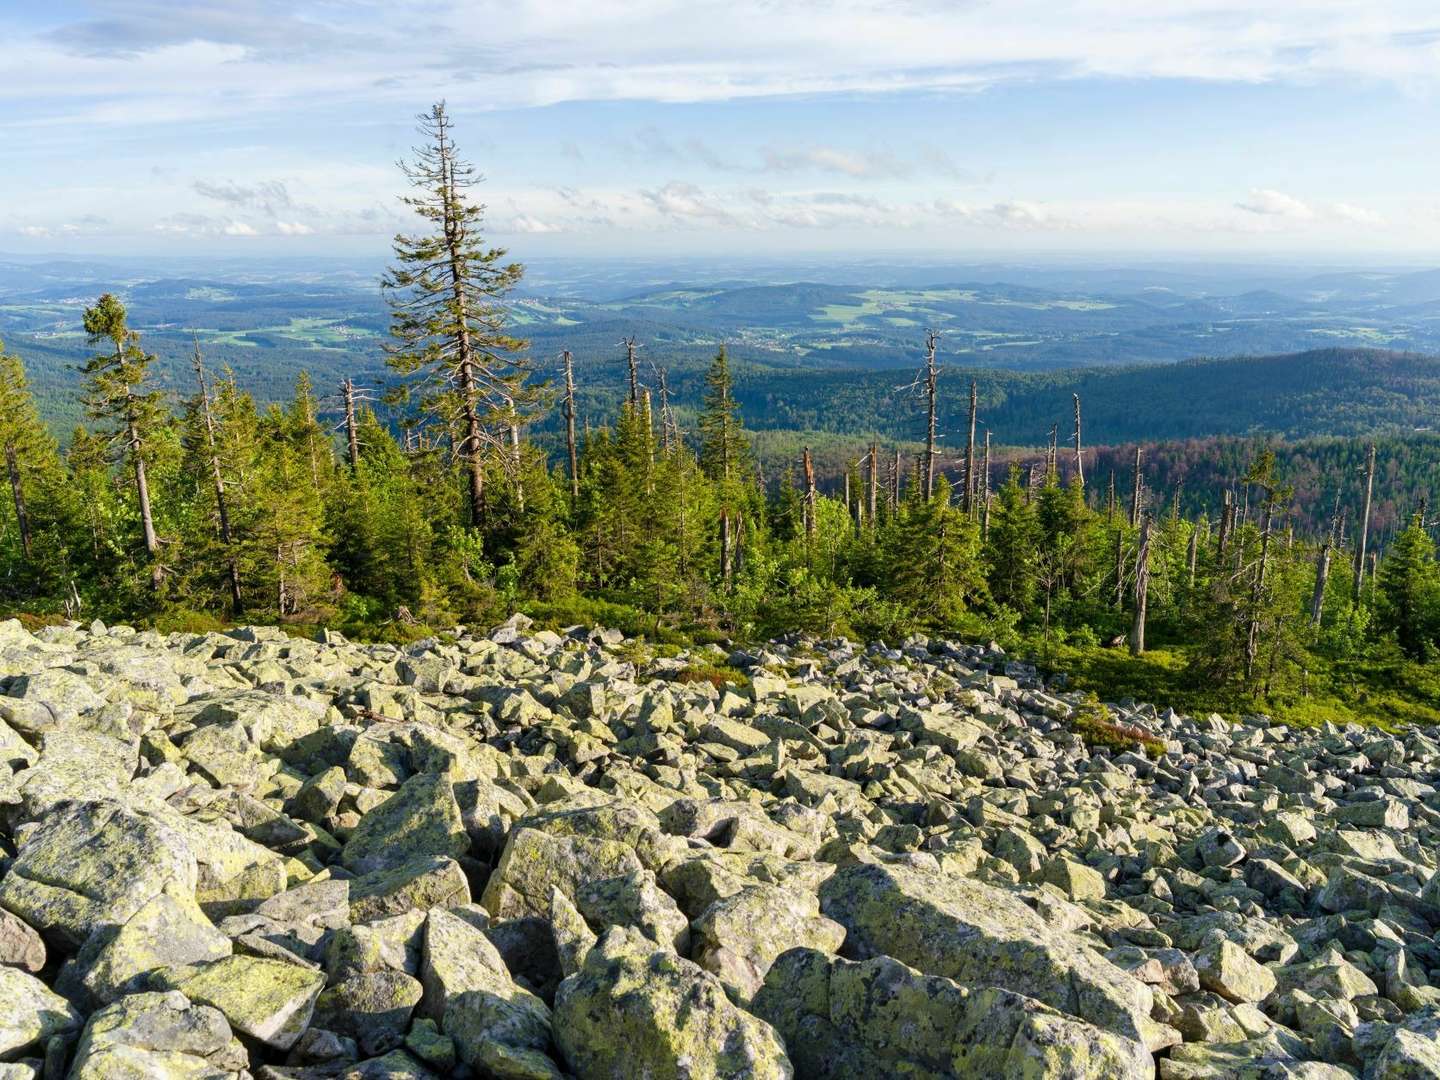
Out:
{"x": 1228, "y": 572}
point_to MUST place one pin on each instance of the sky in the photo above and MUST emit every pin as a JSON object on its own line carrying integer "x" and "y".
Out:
{"x": 651, "y": 127}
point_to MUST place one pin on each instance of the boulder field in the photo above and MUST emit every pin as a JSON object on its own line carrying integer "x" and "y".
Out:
{"x": 530, "y": 855}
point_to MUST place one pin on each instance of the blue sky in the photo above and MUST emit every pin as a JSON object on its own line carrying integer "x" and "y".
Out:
{"x": 658, "y": 127}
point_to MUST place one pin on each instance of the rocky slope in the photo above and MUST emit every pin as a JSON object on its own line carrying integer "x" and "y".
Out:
{"x": 528, "y": 855}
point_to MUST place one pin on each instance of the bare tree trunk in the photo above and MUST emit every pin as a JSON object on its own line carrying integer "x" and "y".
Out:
{"x": 1142, "y": 588}
{"x": 970, "y": 486}
{"x": 873, "y": 496}
{"x": 1135, "y": 494}
{"x": 630, "y": 347}
{"x": 931, "y": 339}
{"x": 22, "y": 518}
{"x": 895, "y": 483}
{"x": 515, "y": 465}
{"x": 142, "y": 491}
{"x": 1227, "y": 522}
{"x": 570, "y": 426}
{"x": 352, "y": 442}
{"x": 669, "y": 433}
{"x": 1192, "y": 556}
{"x": 809, "y": 467}
{"x": 1110, "y": 499}
{"x": 222, "y": 508}
{"x": 1079, "y": 458}
{"x": 1322, "y": 574}
{"x": 1257, "y": 592}
{"x": 1365, "y": 521}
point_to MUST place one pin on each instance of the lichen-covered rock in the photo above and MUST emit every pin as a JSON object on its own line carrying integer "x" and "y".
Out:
{"x": 535, "y": 862}
{"x": 1408, "y": 1050}
{"x": 469, "y": 990}
{"x": 1226, "y": 969}
{"x": 94, "y": 864}
{"x": 373, "y": 1008}
{"x": 878, "y": 1017}
{"x": 639, "y": 1010}
{"x": 158, "y": 1036}
{"x": 739, "y": 937}
{"x": 191, "y": 809}
{"x": 981, "y": 935}
{"x": 416, "y": 884}
{"x": 30, "y": 1013}
{"x": 269, "y": 1000}
{"x": 634, "y": 899}
{"x": 421, "y": 819}
{"x": 166, "y": 932}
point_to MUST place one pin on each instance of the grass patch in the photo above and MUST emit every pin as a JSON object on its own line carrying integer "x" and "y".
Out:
{"x": 1381, "y": 690}
{"x": 1093, "y": 724}
{"x": 719, "y": 676}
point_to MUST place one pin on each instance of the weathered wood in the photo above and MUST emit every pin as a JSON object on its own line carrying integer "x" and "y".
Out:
{"x": 570, "y": 425}
{"x": 970, "y": 486}
{"x": 630, "y": 347}
{"x": 872, "y": 496}
{"x": 931, "y": 377}
{"x": 352, "y": 441}
{"x": 809, "y": 467}
{"x": 1135, "y": 495}
{"x": 1364, "y": 537}
{"x": 222, "y": 508}
{"x": 1079, "y": 458}
{"x": 1257, "y": 590}
{"x": 1142, "y": 588}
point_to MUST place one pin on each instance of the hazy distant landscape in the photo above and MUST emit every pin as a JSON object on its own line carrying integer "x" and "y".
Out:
{"x": 1033, "y": 334}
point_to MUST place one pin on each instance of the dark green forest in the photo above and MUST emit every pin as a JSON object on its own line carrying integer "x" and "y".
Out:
{"x": 1231, "y": 572}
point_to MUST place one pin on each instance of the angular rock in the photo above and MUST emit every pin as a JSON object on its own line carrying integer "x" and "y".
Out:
{"x": 638, "y": 1010}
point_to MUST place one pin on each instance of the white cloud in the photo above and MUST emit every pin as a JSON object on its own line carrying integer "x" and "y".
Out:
{"x": 34, "y": 232}
{"x": 293, "y": 228}
{"x": 525, "y": 223}
{"x": 239, "y": 228}
{"x": 1270, "y": 203}
{"x": 138, "y": 63}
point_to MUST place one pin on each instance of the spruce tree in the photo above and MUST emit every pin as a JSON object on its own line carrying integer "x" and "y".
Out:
{"x": 116, "y": 393}
{"x": 32, "y": 461}
{"x": 1014, "y": 547}
{"x": 447, "y": 319}
{"x": 1409, "y": 591}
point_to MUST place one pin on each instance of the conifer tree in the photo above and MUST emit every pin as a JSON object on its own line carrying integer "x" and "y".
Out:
{"x": 447, "y": 319}
{"x": 1409, "y": 591}
{"x": 1014, "y": 546}
{"x": 116, "y": 393}
{"x": 32, "y": 461}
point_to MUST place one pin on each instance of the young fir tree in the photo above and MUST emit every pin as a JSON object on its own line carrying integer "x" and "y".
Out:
{"x": 447, "y": 319}
{"x": 116, "y": 393}
{"x": 1014, "y": 547}
{"x": 934, "y": 562}
{"x": 1409, "y": 592}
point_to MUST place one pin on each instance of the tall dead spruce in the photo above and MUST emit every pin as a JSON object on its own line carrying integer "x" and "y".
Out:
{"x": 448, "y": 319}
